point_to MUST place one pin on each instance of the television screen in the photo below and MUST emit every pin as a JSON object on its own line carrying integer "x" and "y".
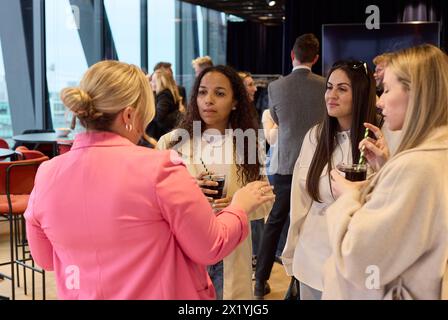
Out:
{"x": 355, "y": 41}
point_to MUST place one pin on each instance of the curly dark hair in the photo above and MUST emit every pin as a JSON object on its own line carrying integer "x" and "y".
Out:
{"x": 241, "y": 118}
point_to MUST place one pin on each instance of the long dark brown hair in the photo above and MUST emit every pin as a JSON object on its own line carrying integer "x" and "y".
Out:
{"x": 241, "y": 118}
{"x": 363, "y": 110}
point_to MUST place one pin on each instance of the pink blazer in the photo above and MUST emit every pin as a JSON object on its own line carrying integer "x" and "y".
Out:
{"x": 118, "y": 221}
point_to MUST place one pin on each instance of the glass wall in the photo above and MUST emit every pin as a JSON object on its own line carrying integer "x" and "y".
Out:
{"x": 200, "y": 17}
{"x": 124, "y": 20}
{"x": 5, "y": 116}
{"x": 179, "y": 32}
{"x": 161, "y": 33}
{"x": 66, "y": 61}
{"x": 79, "y": 33}
{"x": 200, "y": 32}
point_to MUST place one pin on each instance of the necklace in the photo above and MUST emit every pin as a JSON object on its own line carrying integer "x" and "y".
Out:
{"x": 214, "y": 141}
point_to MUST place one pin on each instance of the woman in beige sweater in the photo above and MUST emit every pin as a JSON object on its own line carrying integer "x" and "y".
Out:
{"x": 389, "y": 237}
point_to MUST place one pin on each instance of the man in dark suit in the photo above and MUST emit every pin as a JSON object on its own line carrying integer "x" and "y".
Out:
{"x": 167, "y": 67}
{"x": 296, "y": 103}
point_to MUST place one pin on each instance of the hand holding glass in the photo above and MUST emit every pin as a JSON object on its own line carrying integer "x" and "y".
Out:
{"x": 220, "y": 179}
{"x": 353, "y": 172}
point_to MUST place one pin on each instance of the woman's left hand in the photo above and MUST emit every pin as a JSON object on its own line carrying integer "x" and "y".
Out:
{"x": 340, "y": 185}
{"x": 221, "y": 203}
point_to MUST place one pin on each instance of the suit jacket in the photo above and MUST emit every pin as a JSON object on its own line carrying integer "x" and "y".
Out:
{"x": 296, "y": 103}
{"x": 118, "y": 221}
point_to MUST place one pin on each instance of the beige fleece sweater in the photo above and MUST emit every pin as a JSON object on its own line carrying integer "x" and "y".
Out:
{"x": 397, "y": 232}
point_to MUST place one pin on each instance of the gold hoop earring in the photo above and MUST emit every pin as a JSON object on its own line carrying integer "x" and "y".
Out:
{"x": 129, "y": 127}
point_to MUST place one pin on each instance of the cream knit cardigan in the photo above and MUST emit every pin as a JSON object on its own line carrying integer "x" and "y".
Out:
{"x": 395, "y": 231}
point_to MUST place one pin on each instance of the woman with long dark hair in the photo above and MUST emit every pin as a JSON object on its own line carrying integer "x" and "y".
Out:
{"x": 218, "y": 135}
{"x": 350, "y": 100}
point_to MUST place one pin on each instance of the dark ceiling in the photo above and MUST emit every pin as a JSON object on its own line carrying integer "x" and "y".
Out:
{"x": 254, "y": 10}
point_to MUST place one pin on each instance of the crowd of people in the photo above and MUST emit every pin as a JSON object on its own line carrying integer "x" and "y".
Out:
{"x": 136, "y": 207}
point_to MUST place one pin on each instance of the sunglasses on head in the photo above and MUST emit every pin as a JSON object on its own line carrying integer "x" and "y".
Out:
{"x": 355, "y": 65}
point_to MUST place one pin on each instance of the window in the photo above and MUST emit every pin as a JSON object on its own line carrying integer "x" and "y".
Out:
{"x": 66, "y": 62}
{"x": 200, "y": 18}
{"x": 124, "y": 21}
{"x": 199, "y": 32}
{"x": 5, "y": 116}
{"x": 177, "y": 33}
{"x": 161, "y": 33}
{"x": 218, "y": 36}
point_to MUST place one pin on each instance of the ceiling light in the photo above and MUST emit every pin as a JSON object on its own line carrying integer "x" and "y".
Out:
{"x": 270, "y": 3}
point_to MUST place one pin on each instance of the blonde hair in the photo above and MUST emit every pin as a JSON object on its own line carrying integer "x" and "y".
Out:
{"x": 423, "y": 72}
{"x": 164, "y": 81}
{"x": 105, "y": 90}
{"x": 243, "y": 75}
{"x": 202, "y": 62}
{"x": 382, "y": 58}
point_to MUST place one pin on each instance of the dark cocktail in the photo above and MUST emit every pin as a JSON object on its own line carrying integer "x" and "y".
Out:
{"x": 220, "y": 179}
{"x": 353, "y": 172}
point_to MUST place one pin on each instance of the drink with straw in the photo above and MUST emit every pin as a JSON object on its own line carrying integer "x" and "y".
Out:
{"x": 353, "y": 172}
{"x": 220, "y": 179}
{"x": 356, "y": 172}
{"x": 362, "y": 158}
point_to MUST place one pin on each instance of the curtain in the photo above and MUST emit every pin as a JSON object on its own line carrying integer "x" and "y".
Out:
{"x": 254, "y": 47}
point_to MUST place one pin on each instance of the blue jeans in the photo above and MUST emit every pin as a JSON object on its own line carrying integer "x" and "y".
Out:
{"x": 216, "y": 273}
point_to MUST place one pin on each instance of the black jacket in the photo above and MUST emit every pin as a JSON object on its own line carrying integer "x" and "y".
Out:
{"x": 167, "y": 114}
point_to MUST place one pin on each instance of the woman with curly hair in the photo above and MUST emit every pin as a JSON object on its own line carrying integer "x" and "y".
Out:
{"x": 109, "y": 230}
{"x": 218, "y": 106}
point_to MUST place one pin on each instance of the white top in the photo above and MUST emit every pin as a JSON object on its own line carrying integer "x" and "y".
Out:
{"x": 213, "y": 153}
{"x": 307, "y": 246}
{"x": 301, "y": 67}
{"x": 267, "y": 120}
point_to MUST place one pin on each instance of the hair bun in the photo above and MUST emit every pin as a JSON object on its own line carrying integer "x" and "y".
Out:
{"x": 80, "y": 103}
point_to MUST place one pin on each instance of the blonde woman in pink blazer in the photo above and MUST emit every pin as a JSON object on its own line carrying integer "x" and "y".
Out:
{"x": 119, "y": 221}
